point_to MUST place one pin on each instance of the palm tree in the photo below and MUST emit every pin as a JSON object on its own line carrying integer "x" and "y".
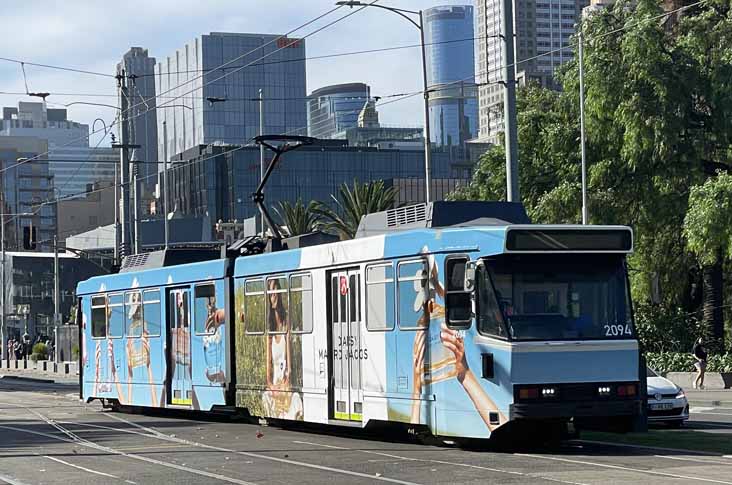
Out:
{"x": 298, "y": 218}
{"x": 354, "y": 203}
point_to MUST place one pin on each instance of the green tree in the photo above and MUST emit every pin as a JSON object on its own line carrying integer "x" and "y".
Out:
{"x": 658, "y": 103}
{"x": 708, "y": 230}
{"x": 352, "y": 204}
{"x": 298, "y": 218}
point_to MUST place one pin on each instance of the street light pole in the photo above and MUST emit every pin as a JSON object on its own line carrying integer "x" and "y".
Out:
{"x": 261, "y": 147}
{"x": 426, "y": 93}
{"x": 165, "y": 184}
{"x": 509, "y": 103}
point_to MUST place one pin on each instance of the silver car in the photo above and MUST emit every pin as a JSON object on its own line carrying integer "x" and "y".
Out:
{"x": 666, "y": 401}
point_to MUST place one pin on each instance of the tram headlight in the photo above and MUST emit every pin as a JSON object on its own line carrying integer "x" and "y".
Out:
{"x": 549, "y": 392}
{"x": 604, "y": 390}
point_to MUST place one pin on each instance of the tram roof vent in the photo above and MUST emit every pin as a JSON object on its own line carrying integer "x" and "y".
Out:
{"x": 167, "y": 257}
{"x": 442, "y": 214}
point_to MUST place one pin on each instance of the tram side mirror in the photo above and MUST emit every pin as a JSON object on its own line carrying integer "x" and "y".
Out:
{"x": 469, "y": 279}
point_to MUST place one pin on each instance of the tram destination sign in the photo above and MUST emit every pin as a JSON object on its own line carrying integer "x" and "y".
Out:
{"x": 617, "y": 239}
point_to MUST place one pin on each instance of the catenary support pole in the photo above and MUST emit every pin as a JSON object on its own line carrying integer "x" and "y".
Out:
{"x": 585, "y": 215}
{"x": 427, "y": 134}
{"x": 166, "y": 202}
{"x": 509, "y": 103}
{"x": 261, "y": 147}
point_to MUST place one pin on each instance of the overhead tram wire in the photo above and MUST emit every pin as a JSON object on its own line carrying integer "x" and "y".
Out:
{"x": 198, "y": 77}
{"x": 600, "y": 36}
{"x": 61, "y": 68}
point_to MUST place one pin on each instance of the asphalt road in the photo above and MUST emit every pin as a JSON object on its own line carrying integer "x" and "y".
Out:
{"x": 47, "y": 436}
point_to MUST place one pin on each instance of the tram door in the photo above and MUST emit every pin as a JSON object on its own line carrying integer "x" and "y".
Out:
{"x": 179, "y": 347}
{"x": 346, "y": 351}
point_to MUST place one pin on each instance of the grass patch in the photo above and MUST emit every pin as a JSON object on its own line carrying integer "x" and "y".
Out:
{"x": 676, "y": 439}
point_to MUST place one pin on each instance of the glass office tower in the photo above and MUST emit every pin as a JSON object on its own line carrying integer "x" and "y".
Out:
{"x": 216, "y": 80}
{"x": 333, "y": 109}
{"x": 453, "y": 101}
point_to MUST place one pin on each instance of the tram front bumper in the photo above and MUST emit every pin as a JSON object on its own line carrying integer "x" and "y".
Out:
{"x": 576, "y": 409}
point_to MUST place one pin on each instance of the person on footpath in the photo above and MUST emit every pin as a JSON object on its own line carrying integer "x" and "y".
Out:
{"x": 700, "y": 354}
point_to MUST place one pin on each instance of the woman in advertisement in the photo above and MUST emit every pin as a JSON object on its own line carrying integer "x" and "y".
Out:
{"x": 279, "y": 401}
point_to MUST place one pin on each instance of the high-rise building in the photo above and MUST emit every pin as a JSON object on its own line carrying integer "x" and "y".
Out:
{"x": 72, "y": 162}
{"x": 543, "y": 30}
{"x": 23, "y": 189}
{"x": 142, "y": 113}
{"x": 216, "y": 181}
{"x": 217, "y": 78}
{"x": 333, "y": 109}
{"x": 453, "y": 103}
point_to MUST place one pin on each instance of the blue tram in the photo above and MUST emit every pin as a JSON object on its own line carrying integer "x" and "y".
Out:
{"x": 459, "y": 318}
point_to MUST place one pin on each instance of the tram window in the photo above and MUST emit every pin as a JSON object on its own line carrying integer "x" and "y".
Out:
{"x": 254, "y": 306}
{"x": 380, "y": 297}
{"x": 133, "y": 314}
{"x": 99, "y": 316}
{"x": 457, "y": 300}
{"x": 301, "y": 304}
{"x": 151, "y": 312}
{"x": 353, "y": 288}
{"x": 204, "y": 307}
{"x": 412, "y": 294}
{"x": 334, "y": 298}
{"x": 490, "y": 320}
{"x": 115, "y": 308}
{"x": 277, "y": 304}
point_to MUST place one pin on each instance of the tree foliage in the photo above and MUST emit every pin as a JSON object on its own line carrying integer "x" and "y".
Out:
{"x": 708, "y": 222}
{"x": 352, "y": 204}
{"x": 658, "y": 105}
{"x": 298, "y": 218}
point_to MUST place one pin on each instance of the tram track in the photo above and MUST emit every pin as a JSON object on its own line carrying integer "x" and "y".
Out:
{"x": 73, "y": 431}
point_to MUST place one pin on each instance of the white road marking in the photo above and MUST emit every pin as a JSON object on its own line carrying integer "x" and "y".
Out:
{"x": 697, "y": 460}
{"x": 88, "y": 470}
{"x": 649, "y": 447}
{"x": 625, "y": 468}
{"x": 705, "y": 413}
{"x": 425, "y": 460}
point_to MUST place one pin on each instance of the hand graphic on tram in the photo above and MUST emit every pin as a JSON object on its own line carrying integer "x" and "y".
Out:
{"x": 455, "y": 343}
{"x": 215, "y": 319}
{"x": 418, "y": 360}
{"x": 130, "y": 352}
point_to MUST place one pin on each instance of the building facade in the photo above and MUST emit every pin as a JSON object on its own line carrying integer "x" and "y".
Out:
{"x": 23, "y": 188}
{"x": 453, "y": 102}
{"x": 218, "y": 77}
{"x": 143, "y": 113}
{"x": 543, "y": 29}
{"x": 72, "y": 162}
{"x": 29, "y": 286}
{"x": 82, "y": 214}
{"x": 334, "y": 109}
{"x": 217, "y": 181}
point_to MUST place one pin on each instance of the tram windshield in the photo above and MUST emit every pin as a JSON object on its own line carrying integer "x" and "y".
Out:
{"x": 562, "y": 297}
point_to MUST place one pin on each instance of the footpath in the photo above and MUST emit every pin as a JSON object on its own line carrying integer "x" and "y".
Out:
{"x": 711, "y": 398}
{"x": 43, "y": 371}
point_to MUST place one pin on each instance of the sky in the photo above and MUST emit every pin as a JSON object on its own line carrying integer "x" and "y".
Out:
{"x": 93, "y": 35}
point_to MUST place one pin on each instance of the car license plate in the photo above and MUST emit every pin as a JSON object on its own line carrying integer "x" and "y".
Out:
{"x": 661, "y": 406}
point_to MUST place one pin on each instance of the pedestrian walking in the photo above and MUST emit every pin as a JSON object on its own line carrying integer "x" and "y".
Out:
{"x": 11, "y": 350}
{"x": 17, "y": 349}
{"x": 700, "y": 354}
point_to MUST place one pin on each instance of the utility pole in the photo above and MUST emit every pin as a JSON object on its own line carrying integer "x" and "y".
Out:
{"x": 136, "y": 209}
{"x": 117, "y": 234}
{"x": 427, "y": 134}
{"x": 3, "y": 289}
{"x": 165, "y": 184}
{"x": 585, "y": 215}
{"x": 56, "y": 297}
{"x": 261, "y": 147}
{"x": 124, "y": 147}
{"x": 509, "y": 103}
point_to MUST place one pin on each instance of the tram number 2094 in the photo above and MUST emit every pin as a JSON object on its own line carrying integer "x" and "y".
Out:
{"x": 619, "y": 330}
